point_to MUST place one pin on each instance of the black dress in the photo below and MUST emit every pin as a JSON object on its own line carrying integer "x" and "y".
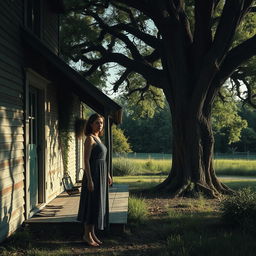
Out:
{"x": 92, "y": 207}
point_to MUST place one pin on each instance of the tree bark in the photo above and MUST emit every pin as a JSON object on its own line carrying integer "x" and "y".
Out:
{"x": 192, "y": 170}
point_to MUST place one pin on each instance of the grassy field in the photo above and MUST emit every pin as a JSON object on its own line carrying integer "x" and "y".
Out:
{"x": 233, "y": 167}
{"x": 146, "y": 181}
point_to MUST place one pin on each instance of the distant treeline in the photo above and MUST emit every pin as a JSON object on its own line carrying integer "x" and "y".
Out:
{"x": 154, "y": 135}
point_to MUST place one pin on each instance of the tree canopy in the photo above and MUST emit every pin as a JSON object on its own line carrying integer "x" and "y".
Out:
{"x": 186, "y": 50}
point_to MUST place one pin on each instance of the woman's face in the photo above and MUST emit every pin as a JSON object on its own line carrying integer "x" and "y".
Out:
{"x": 97, "y": 125}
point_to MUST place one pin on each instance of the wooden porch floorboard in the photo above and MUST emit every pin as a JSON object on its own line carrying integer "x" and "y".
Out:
{"x": 64, "y": 208}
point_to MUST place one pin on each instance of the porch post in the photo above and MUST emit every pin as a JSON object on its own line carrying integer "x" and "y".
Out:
{"x": 110, "y": 151}
{"x": 26, "y": 142}
{"x": 107, "y": 142}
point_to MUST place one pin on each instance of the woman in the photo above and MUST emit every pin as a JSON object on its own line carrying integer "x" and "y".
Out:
{"x": 92, "y": 208}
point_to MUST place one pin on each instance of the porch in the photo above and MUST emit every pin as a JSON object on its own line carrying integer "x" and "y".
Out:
{"x": 64, "y": 208}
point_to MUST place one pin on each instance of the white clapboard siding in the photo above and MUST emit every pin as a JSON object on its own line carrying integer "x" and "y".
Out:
{"x": 14, "y": 169}
{"x": 7, "y": 228}
{"x": 10, "y": 138}
{"x": 50, "y": 33}
{"x": 10, "y": 206}
{"x": 11, "y": 154}
{"x": 10, "y": 182}
{"x": 54, "y": 166}
{"x": 11, "y": 146}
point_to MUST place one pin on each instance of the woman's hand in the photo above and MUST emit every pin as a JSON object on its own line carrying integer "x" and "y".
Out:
{"x": 90, "y": 185}
{"x": 110, "y": 181}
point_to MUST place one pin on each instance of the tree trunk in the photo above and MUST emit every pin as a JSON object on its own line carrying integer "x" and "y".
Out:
{"x": 192, "y": 169}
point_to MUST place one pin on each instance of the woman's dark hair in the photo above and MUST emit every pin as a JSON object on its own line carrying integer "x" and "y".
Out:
{"x": 80, "y": 125}
{"x": 92, "y": 118}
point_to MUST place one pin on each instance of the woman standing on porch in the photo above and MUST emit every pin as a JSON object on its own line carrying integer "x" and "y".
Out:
{"x": 92, "y": 208}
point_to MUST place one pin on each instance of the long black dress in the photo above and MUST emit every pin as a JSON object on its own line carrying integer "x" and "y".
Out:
{"x": 92, "y": 207}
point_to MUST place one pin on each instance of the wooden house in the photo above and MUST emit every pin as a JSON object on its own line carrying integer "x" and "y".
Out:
{"x": 36, "y": 89}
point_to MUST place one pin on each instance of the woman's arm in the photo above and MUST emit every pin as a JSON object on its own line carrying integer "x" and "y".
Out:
{"x": 88, "y": 144}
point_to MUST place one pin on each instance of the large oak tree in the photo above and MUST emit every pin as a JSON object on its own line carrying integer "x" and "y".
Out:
{"x": 185, "y": 48}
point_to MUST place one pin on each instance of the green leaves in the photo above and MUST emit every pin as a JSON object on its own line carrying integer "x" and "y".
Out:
{"x": 226, "y": 119}
{"x": 120, "y": 142}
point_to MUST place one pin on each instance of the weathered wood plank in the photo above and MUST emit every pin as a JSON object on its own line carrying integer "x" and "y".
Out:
{"x": 10, "y": 163}
{"x": 7, "y": 229}
{"x": 50, "y": 35}
{"x": 12, "y": 12}
{"x": 11, "y": 204}
{"x": 11, "y": 122}
{"x": 10, "y": 183}
{"x": 11, "y": 75}
{"x": 11, "y": 130}
{"x": 4, "y": 155}
{"x": 11, "y": 138}
{"x": 11, "y": 146}
{"x": 12, "y": 68}
{"x": 68, "y": 212}
{"x": 11, "y": 106}
{"x": 7, "y": 60}
{"x": 10, "y": 114}
{"x": 12, "y": 45}
{"x": 9, "y": 80}
{"x": 10, "y": 93}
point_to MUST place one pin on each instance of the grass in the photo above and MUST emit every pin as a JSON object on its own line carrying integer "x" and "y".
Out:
{"x": 137, "y": 210}
{"x": 235, "y": 167}
{"x": 145, "y": 181}
{"x": 157, "y": 226}
{"x": 197, "y": 229}
{"x": 38, "y": 252}
{"x": 232, "y": 167}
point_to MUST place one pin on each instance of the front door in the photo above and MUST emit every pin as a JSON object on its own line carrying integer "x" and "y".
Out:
{"x": 33, "y": 148}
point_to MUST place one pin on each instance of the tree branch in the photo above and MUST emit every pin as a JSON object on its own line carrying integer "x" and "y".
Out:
{"x": 141, "y": 90}
{"x": 250, "y": 96}
{"x": 231, "y": 16}
{"x": 235, "y": 58}
{"x": 146, "y": 38}
{"x": 154, "y": 76}
{"x": 122, "y": 78}
{"x": 202, "y": 33}
{"x": 134, "y": 51}
{"x": 154, "y": 56}
{"x": 128, "y": 11}
{"x": 144, "y": 6}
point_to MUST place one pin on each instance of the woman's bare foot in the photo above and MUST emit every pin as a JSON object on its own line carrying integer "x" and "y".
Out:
{"x": 88, "y": 239}
{"x": 96, "y": 239}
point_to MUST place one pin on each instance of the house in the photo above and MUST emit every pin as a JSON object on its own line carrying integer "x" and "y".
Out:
{"x": 38, "y": 92}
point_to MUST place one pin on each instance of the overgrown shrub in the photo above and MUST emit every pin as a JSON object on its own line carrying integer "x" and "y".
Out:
{"x": 123, "y": 167}
{"x": 240, "y": 209}
{"x": 137, "y": 210}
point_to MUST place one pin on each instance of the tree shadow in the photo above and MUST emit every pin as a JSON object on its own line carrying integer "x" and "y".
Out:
{"x": 12, "y": 162}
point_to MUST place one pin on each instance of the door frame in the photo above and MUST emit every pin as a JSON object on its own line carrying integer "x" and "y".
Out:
{"x": 39, "y": 82}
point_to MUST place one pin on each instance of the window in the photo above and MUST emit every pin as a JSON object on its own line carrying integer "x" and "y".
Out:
{"x": 33, "y": 16}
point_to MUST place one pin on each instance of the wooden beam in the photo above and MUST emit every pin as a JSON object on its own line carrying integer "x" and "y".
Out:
{"x": 107, "y": 143}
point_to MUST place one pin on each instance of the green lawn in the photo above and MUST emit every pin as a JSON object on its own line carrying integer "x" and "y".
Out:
{"x": 233, "y": 167}
{"x": 146, "y": 181}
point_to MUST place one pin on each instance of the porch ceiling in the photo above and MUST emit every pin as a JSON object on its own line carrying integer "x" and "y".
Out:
{"x": 45, "y": 62}
{"x": 58, "y": 5}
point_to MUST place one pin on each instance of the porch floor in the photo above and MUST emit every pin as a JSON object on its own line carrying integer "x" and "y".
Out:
{"x": 64, "y": 208}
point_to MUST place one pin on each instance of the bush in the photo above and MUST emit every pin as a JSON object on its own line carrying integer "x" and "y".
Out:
{"x": 240, "y": 209}
{"x": 123, "y": 167}
{"x": 137, "y": 210}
